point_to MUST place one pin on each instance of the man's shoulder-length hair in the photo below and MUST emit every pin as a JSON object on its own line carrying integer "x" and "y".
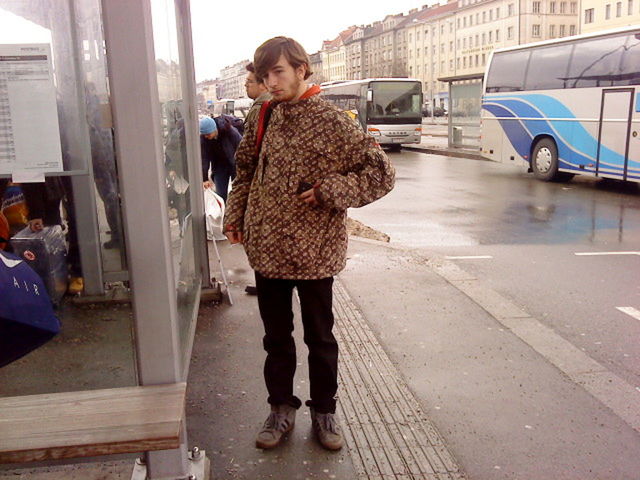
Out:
{"x": 268, "y": 54}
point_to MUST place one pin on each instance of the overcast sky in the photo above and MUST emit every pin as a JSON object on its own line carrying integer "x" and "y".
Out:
{"x": 225, "y": 32}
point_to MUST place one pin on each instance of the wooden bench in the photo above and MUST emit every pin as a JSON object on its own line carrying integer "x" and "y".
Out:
{"x": 91, "y": 423}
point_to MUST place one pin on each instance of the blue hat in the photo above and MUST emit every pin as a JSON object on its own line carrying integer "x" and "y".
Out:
{"x": 207, "y": 125}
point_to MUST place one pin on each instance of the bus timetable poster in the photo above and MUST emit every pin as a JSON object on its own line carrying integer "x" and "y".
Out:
{"x": 29, "y": 130}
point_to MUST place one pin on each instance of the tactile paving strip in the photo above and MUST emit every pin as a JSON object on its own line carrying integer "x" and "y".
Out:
{"x": 386, "y": 432}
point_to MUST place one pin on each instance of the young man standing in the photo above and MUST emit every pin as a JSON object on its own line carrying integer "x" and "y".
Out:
{"x": 256, "y": 91}
{"x": 288, "y": 208}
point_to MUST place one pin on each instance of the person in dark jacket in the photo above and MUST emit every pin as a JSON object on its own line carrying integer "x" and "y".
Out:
{"x": 218, "y": 143}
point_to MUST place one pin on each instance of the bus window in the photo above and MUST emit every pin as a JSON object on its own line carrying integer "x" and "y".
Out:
{"x": 507, "y": 72}
{"x": 630, "y": 68}
{"x": 394, "y": 99}
{"x": 548, "y": 68}
{"x": 596, "y": 63}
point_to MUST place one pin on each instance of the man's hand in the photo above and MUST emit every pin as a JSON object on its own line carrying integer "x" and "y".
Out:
{"x": 309, "y": 197}
{"x": 234, "y": 236}
{"x": 36, "y": 224}
{"x": 207, "y": 184}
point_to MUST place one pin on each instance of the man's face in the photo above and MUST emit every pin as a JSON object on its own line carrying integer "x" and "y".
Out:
{"x": 253, "y": 87}
{"x": 284, "y": 82}
{"x": 211, "y": 136}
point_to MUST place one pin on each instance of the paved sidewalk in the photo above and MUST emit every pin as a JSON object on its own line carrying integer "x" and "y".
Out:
{"x": 388, "y": 436}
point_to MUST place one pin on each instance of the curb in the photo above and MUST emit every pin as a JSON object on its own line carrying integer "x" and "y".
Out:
{"x": 447, "y": 153}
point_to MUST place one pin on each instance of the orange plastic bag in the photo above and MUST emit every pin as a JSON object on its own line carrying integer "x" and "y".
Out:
{"x": 4, "y": 231}
{"x": 14, "y": 206}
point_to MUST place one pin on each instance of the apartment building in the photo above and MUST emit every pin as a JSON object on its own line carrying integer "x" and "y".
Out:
{"x": 431, "y": 53}
{"x": 232, "y": 80}
{"x": 334, "y": 56}
{"x": 354, "y": 46}
{"x": 315, "y": 60}
{"x": 484, "y": 25}
{"x": 605, "y": 14}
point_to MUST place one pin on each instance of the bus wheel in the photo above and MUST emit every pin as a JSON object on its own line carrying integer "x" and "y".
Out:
{"x": 544, "y": 160}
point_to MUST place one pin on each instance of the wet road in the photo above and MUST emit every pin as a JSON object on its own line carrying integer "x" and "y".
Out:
{"x": 527, "y": 234}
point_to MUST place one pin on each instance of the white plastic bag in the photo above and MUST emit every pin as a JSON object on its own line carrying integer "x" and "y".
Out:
{"x": 214, "y": 214}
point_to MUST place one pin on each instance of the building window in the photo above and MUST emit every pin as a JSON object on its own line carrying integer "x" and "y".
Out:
{"x": 484, "y": 59}
{"x": 629, "y": 7}
{"x": 535, "y": 30}
{"x": 572, "y": 29}
{"x": 410, "y": 37}
{"x": 458, "y": 63}
{"x": 498, "y": 35}
{"x": 510, "y": 33}
{"x": 484, "y": 17}
{"x": 426, "y": 51}
{"x": 477, "y": 18}
{"x": 607, "y": 12}
{"x": 450, "y": 64}
{"x": 536, "y": 7}
{"x": 464, "y": 62}
{"x": 477, "y": 40}
{"x": 417, "y": 52}
{"x": 451, "y": 46}
{"x": 574, "y": 7}
{"x": 450, "y": 27}
{"x": 552, "y": 31}
{"x": 588, "y": 15}
{"x": 552, "y": 7}
{"x": 458, "y": 23}
{"x": 484, "y": 39}
{"x": 442, "y": 48}
{"x": 418, "y": 70}
{"x": 464, "y": 22}
{"x": 497, "y": 13}
{"x": 490, "y": 36}
{"x": 490, "y": 15}
{"x": 477, "y": 60}
{"x": 464, "y": 42}
{"x": 417, "y": 36}
{"x": 442, "y": 29}
{"x": 562, "y": 31}
{"x": 619, "y": 9}
{"x": 510, "y": 12}
{"x": 458, "y": 44}
{"x": 563, "y": 7}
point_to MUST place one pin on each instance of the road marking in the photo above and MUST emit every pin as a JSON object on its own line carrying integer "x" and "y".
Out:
{"x": 630, "y": 311}
{"x": 469, "y": 257}
{"x": 585, "y": 254}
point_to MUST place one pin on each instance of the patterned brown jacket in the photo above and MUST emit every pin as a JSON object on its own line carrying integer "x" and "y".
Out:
{"x": 306, "y": 141}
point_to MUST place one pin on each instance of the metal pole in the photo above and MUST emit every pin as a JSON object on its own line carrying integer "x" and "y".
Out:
{"x": 136, "y": 113}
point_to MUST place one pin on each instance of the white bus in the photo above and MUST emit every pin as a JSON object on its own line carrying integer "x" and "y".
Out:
{"x": 568, "y": 106}
{"x": 238, "y": 107}
{"x": 389, "y": 109}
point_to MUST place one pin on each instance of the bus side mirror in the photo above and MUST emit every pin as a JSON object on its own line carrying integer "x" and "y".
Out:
{"x": 369, "y": 95}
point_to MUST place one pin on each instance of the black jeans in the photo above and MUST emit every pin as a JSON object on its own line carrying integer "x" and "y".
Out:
{"x": 275, "y": 303}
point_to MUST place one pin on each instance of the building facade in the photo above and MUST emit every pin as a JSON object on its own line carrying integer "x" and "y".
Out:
{"x": 334, "y": 56}
{"x": 605, "y": 14}
{"x": 316, "y": 67}
{"x": 232, "y": 80}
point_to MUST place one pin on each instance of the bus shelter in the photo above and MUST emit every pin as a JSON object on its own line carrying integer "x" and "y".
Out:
{"x": 105, "y": 90}
{"x": 465, "y": 104}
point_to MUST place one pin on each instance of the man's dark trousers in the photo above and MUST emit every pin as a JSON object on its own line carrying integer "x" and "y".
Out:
{"x": 275, "y": 303}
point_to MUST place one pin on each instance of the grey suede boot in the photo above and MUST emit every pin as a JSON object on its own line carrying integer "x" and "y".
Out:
{"x": 280, "y": 421}
{"x": 327, "y": 430}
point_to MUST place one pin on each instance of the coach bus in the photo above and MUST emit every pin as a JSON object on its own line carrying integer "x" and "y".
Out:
{"x": 565, "y": 107}
{"x": 389, "y": 109}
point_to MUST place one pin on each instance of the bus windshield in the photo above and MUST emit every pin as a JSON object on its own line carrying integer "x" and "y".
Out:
{"x": 395, "y": 102}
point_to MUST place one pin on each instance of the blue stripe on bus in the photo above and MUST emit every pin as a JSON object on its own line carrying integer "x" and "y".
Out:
{"x": 549, "y": 108}
{"x": 637, "y": 101}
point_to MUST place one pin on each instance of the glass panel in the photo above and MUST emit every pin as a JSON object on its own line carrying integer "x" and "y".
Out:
{"x": 630, "y": 68}
{"x": 596, "y": 63}
{"x": 395, "y": 101}
{"x": 548, "y": 67}
{"x": 169, "y": 71}
{"x": 465, "y": 113}
{"x": 94, "y": 347}
{"x": 507, "y": 71}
